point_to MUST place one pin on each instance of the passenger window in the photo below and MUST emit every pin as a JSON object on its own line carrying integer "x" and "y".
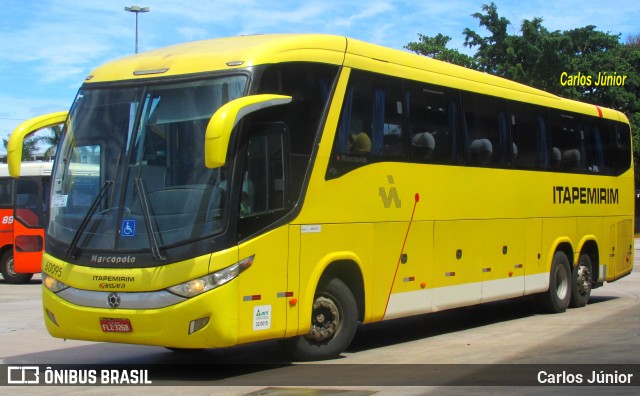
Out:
{"x": 616, "y": 141}
{"x": 567, "y": 152}
{"x": 486, "y": 127}
{"x": 433, "y": 125}
{"x": 371, "y": 123}
{"x": 528, "y": 132}
{"x": 594, "y": 148}
{"x": 372, "y": 117}
{"x": 622, "y": 160}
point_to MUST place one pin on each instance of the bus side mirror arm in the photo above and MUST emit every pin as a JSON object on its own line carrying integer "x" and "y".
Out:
{"x": 16, "y": 139}
{"x": 216, "y": 140}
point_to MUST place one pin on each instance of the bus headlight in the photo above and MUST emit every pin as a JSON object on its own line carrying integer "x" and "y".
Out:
{"x": 198, "y": 286}
{"x": 52, "y": 283}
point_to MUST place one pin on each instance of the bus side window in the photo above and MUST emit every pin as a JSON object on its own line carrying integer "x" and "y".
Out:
{"x": 6, "y": 193}
{"x": 486, "y": 129}
{"x": 594, "y": 149}
{"x": 433, "y": 133}
{"x": 527, "y": 131}
{"x": 29, "y": 208}
{"x": 567, "y": 143}
{"x": 621, "y": 142}
{"x": 372, "y": 117}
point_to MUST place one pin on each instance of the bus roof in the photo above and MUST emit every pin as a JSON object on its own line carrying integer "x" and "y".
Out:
{"x": 29, "y": 168}
{"x": 245, "y": 51}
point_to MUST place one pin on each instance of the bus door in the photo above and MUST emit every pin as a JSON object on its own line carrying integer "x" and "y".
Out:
{"x": 29, "y": 220}
{"x": 265, "y": 290}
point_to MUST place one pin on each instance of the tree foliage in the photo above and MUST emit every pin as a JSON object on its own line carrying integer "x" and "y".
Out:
{"x": 538, "y": 57}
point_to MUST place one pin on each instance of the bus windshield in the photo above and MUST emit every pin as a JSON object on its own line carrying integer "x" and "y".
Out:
{"x": 131, "y": 176}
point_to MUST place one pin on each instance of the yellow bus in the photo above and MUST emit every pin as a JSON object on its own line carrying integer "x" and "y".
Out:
{"x": 293, "y": 187}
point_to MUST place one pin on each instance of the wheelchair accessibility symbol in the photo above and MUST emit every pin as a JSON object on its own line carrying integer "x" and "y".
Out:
{"x": 128, "y": 228}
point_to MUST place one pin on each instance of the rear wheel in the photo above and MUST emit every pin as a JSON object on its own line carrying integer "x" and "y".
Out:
{"x": 556, "y": 299}
{"x": 8, "y": 270}
{"x": 334, "y": 320}
{"x": 581, "y": 282}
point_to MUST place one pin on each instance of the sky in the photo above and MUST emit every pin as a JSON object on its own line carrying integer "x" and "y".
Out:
{"x": 47, "y": 47}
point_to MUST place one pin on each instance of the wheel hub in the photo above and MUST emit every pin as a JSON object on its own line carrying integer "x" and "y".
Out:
{"x": 326, "y": 320}
{"x": 583, "y": 282}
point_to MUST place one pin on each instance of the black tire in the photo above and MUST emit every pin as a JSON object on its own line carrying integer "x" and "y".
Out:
{"x": 334, "y": 320}
{"x": 556, "y": 299}
{"x": 8, "y": 272}
{"x": 581, "y": 282}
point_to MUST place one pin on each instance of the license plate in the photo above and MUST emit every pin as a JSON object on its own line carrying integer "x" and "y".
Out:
{"x": 110, "y": 325}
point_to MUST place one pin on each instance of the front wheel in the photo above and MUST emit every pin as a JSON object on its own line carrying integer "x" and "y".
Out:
{"x": 8, "y": 270}
{"x": 556, "y": 299}
{"x": 334, "y": 320}
{"x": 581, "y": 281}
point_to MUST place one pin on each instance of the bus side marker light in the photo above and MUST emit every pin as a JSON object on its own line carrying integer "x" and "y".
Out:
{"x": 51, "y": 317}
{"x": 423, "y": 285}
{"x": 198, "y": 324}
{"x": 293, "y": 301}
{"x": 510, "y": 274}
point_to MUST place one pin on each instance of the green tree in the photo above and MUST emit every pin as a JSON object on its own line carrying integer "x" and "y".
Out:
{"x": 436, "y": 47}
{"x": 51, "y": 141}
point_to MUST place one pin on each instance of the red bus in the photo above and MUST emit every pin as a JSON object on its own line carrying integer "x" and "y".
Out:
{"x": 23, "y": 204}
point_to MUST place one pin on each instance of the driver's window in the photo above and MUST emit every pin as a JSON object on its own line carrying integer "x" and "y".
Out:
{"x": 264, "y": 184}
{"x": 263, "y": 177}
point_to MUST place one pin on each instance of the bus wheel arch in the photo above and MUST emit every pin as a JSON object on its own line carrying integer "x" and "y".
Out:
{"x": 350, "y": 274}
{"x": 337, "y": 306}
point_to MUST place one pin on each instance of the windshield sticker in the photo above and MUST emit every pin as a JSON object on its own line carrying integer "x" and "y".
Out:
{"x": 59, "y": 201}
{"x": 262, "y": 317}
{"x": 128, "y": 228}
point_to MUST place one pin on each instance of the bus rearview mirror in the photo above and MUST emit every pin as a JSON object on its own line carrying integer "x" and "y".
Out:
{"x": 16, "y": 139}
{"x": 216, "y": 140}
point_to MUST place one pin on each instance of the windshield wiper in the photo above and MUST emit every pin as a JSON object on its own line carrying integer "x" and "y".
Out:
{"x": 144, "y": 203}
{"x": 85, "y": 221}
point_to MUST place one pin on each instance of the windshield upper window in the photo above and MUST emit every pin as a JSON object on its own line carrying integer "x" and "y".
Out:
{"x": 131, "y": 174}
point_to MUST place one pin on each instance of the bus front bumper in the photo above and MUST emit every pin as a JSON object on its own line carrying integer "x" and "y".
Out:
{"x": 204, "y": 321}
